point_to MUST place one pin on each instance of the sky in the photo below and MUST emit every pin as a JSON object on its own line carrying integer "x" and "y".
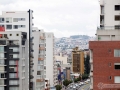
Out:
{"x": 62, "y": 17}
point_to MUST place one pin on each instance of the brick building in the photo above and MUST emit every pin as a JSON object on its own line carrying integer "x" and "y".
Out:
{"x": 105, "y": 56}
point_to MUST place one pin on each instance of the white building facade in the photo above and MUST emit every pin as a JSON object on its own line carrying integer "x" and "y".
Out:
{"x": 45, "y": 43}
{"x": 13, "y": 60}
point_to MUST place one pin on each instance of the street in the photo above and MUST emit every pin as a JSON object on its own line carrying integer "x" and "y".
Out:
{"x": 84, "y": 87}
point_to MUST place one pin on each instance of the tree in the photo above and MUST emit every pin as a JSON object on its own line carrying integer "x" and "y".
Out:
{"x": 58, "y": 87}
{"x": 85, "y": 76}
{"x": 66, "y": 82}
{"x": 87, "y": 64}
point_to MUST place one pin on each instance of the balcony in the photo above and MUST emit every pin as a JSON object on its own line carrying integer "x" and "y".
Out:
{"x": 42, "y": 38}
{"x": 40, "y": 58}
{"x": 13, "y": 43}
{"x": 39, "y": 80}
{"x": 42, "y": 48}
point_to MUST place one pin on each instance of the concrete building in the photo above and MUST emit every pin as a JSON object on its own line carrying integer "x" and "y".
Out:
{"x": 61, "y": 58}
{"x": 14, "y": 60}
{"x": 104, "y": 52}
{"x": 19, "y": 21}
{"x": 78, "y": 61}
{"x": 45, "y": 56}
{"x": 38, "y": 60}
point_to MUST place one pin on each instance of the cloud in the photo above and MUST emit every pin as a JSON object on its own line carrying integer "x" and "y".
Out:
{"x": 63, "y": 17}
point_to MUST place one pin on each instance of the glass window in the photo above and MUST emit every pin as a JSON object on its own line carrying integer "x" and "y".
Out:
{"x": 2, "y": 88}
{"x": 15, "y": 56}
{"x": 15, "y": 26}
{"x": 8, "y": 26}
{"x": 117, "y": 79}
{"x": 12, "y": 75}
{"x": 15, "y": 49}
{"x": 8, "y": 20}
{"x": 2, "y": 20}
{"x": 1, "y": 55}
{"x": 38, "y": 72}
{"x": 1, "y": 82}
{"x": 15, "y": 19}
{"x": 116, "y": 53}
{"x": 1, "y": 62}
{"x": 12, "y": 62}
{"x": 13, "y": 88}
{"x": 1, "y": 49}
{"x": 13, "y": 82}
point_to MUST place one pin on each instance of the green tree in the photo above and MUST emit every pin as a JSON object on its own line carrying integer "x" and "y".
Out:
{"x": 66, "y": 82}
{"x": 85, "y": 76}
{"x": 87, "y": 64}
{"x": 58, "y": 87}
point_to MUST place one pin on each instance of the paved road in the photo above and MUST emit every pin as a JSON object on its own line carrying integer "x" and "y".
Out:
{"x": 85, "y": 87}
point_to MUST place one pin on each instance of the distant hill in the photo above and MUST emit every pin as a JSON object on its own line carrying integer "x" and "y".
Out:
{"x": 79, "y": 36}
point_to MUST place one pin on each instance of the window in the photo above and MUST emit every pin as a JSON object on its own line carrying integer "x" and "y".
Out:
{"x": 2, "y": 20}
{"x": 13, "y": 82}
{"x": 15, "y": 19}
{"x": 1, "y": 62}
{"x": 8, "y": 26}
{"x": 12, "y": 88}
{"x": 117, "y": 17}
{"x": 1, "y": 49}
{"x": 8, "y": 20}
{"x": 117, "y": 65}
{"x": 110, "y": 64}
{"x": 12, "y": 75}
{"x": 1, "y": 82}
{"x": 17, "y": 34}
{"x": 38, "y": 72}
{"x": 117, "y": 79}
{"x": 12, "y": 62}
{"x": 117, "y": 26}
{"x": 12, "y": 69}
{"x": 116, "y": 53}
{"x": 110, "y": 77}
{"x": 10, "y": 34}
{"x": 14, "y": 49}
{"x": 38, "y": 62}
{"x": 15, "y": 26}
{"x": 1, "y": 55}
{"x": 117, "y": 7}
{"x": 2, "y": 88}
{"x": 21, "y": 26}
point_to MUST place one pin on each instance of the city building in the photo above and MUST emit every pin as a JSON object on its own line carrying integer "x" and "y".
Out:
{"x": 14, "y": 60}
{"x": 38, "y": 60}
{"x": 44, "y": 63}
{"x": 104, "y": 52}
{"x": 78, "y": 61}
{"x": 61, "y": 58}
{"x": 19, "y": 21}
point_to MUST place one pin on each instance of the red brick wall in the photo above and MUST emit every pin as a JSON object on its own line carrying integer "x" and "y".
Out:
{"x": 103, "y": 54}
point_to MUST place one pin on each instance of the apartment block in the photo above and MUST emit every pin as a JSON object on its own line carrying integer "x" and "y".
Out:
{"x": 19, "y": 21}
{"x": 38, "y": 60}
{"x": 44, "y": 60}
{"x": 78, "y": 61}
{"x": 13, "y": 60}
{"x": 104, "y": 52}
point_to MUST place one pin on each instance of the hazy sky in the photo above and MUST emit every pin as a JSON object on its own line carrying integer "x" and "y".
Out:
{"x": 63, "y": 17}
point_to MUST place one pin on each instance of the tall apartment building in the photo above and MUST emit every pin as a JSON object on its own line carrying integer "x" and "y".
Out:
{"x": 104, "y": 52}
{"x": 19, "y": 21}
{"x": 44, "y": 63}
{"x": 13, "y": 60}
{"x": 78, "y": 61}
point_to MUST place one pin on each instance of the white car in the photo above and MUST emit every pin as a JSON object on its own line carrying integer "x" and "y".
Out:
{"x": 74, "y": 87}
{"x": 71, "y": 87}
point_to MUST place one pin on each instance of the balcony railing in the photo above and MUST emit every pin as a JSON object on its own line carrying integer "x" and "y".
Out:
{"x": 40, "y": 58}
{"x": 41, "y": 37}
{"x": 108, "y": 28}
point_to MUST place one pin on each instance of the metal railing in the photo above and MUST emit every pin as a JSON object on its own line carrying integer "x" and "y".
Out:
{"x": 108, "y": 28}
